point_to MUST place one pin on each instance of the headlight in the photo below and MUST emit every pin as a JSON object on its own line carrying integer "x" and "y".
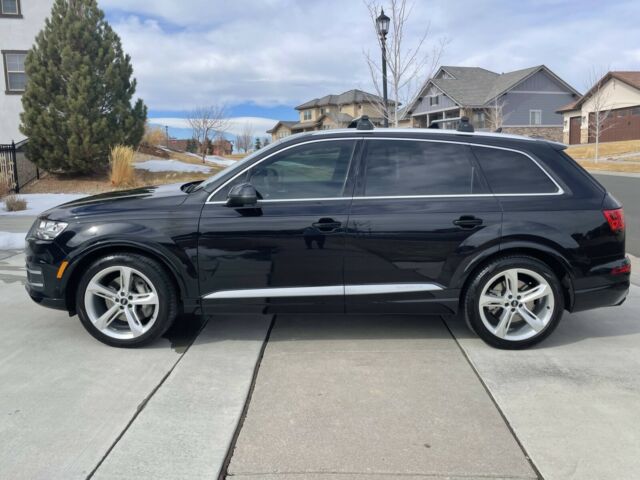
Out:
{"x": 48, "y": 229}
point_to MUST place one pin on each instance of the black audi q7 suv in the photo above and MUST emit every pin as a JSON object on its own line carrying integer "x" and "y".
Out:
{"x": 508, "y": 230}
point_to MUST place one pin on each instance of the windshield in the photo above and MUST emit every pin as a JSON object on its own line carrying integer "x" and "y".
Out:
{"x": 240, "y": 163}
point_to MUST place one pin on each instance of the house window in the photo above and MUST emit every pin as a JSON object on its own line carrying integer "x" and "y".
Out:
{"x": 306, "y": 115}
{"x": 10, "y": 8}
{"x": 478, "y": 119}
{"x": 435, "y": 100}
{"x": 14, "y": 74}
{"x": 535, "y": 117}
{"x": 322, "y": 111}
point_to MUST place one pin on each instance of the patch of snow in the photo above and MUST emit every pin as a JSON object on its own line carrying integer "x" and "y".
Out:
{"x": 159, "y": 165}
{"x": 12, "y": 241}
{"x": 191, "y": 154}
{"x": 39, "y": 202}
{"x": 224, "y": 162}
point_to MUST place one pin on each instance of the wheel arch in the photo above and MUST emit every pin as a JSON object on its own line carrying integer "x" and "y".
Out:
{"x": 79, "y": 265}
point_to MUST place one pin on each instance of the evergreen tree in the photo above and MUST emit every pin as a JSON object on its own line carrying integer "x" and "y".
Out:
{"x": 258, "y": 145}
{"x": 77, "y": 103}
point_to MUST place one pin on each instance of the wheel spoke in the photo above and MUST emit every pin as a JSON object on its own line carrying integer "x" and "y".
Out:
{"x": 511, "y": 280}
{"x": 107, "y": 317}
{"x": 534, "y": 293}
{"x": 531, "y": 318}
{"x": 134, "y": 323}
{"x": 125, "y": 279}
{"x": 101, "y": 291}
{"x": 504, "y": 323}
{"x": 144, "y": 299}
{"x": 490, "y": 301}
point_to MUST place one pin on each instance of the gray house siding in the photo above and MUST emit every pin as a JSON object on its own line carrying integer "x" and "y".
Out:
{"x": 517, "y": 106}
{"x": 540, "y": 82}
{"x": 424, "y": 107}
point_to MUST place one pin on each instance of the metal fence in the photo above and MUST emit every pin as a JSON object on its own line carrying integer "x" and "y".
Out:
{"x": 16, "y": 170}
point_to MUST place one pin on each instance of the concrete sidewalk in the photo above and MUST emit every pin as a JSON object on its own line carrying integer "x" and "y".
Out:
{"x": 371, "y": 397}
{"x": 574, "y": 400}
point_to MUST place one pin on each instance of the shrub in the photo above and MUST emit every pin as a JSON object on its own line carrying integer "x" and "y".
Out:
{"x": 15, "y": 204}
{"x": 122, "y": 173}
{"x": 153, "y": 135}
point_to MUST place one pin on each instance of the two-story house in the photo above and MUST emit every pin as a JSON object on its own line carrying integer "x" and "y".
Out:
{"x": 523, "y": 101}
{"x": 331, "y": 111}
{"x": 20, "y": 22}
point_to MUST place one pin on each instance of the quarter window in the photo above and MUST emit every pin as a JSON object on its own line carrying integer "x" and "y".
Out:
{"x": 405, "y": 167}
{"x": 10, "y": 8}
{"x": 15, "y": 76}
{"x": 535, "y": 117}
{"x": 510, "y": 172}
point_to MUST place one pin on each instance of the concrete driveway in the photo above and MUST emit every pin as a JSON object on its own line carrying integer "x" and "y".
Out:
{"x": 333, "y": 397}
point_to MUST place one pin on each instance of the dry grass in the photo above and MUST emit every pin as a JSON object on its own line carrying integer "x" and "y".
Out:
{"x": 154, "y": 135}
{"x": 604, "y": 165}
{"x": 122, "y": 173}
{"x": 608, "y": 149}
{"x": 15, "y": 204}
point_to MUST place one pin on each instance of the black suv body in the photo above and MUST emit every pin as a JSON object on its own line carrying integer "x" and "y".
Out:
{"x": 508, "y": 229}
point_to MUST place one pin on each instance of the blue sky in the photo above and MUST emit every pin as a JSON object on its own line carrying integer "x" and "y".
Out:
{"x": 263, "y": 57}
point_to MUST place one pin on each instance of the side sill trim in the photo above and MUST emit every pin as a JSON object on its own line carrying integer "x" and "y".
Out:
{"x": 331, "y": 290}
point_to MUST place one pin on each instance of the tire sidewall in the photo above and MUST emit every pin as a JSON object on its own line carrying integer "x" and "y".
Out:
{"x": 159, "y": 279}
{"x": 472, "y": 295}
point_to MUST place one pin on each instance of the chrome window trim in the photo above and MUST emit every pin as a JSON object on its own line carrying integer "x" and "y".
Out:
{"x": 560, "y": 190}
{"x": 323, "y": 291}
{"x": 209, "y": 201}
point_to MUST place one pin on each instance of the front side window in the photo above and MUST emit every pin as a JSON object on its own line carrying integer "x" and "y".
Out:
{"x": 10, "y": 8}
{"x": 15, "y": 76}
{"x": 313, "y": 170}
{"x": 510, "y": 172}
{"x": 535, "y": 117}
{"x": 408, "y": 167}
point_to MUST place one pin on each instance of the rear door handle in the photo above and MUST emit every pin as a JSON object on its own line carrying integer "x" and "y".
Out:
{"x": 327, "y": 224}
{"x": 467, "y": 221}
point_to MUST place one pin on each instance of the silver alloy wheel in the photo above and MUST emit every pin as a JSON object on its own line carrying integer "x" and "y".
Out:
{"x": 121, "y": 302}
{"x": 516, "y": 304}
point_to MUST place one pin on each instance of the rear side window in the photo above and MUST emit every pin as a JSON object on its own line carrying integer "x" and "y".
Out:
{"x": 407, "y": 167}
{"x": 510, "y": 172}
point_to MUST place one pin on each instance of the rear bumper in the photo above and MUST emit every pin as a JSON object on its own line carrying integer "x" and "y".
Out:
{"x": 604, "y": 289}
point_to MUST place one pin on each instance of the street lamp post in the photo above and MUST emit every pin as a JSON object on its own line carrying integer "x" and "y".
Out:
{"x": 382, "y": 24}
{"x": 166, "y": 132}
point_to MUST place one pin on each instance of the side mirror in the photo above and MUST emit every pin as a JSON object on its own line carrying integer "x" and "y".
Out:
{"x": 243, "y": 195}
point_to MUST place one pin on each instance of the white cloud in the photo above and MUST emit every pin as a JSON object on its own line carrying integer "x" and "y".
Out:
{"x": 283, "y": 52}
{"x": 236, "y": 124}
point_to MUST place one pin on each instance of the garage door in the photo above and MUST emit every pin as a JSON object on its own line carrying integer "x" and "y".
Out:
{"x": 620, "y": 124}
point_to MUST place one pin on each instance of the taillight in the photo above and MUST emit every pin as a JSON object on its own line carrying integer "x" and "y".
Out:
{"x": 615, "y": 218}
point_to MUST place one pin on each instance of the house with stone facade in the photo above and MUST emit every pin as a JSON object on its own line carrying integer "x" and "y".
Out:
{"x": 523, "y": 101}
{"x": 616, "y": 98}
{"x": 331, "y": 111}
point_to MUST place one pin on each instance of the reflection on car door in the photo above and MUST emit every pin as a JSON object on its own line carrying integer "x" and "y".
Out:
{"x": 287, "y": 254}
{"x": 420, "y": 208}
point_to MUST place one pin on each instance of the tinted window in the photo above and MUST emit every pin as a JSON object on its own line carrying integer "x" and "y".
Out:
{"x": 399, "y": 167}
{"x": 314, "y": 170}
{"x": 512, "y": 172}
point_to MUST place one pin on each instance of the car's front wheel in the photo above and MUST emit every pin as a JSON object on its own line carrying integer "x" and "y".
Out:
{"x": 126, "y": 300}
{"x": 514, "y": 302}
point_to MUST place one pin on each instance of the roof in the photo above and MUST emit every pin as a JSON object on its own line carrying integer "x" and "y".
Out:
{"x": 475, "y": 86}
{"x": 351, "y": 96}
{"x": 631, "y": 78}
{"x": 285, "y": 123}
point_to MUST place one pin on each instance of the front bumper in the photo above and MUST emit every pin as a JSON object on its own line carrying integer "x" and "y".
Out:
{"x": 43, "y": 260}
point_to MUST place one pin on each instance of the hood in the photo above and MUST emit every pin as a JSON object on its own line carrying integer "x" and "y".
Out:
{"x": 134, "y": 200}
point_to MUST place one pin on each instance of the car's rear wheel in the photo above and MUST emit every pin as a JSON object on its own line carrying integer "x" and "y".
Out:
{"x": 126, "y": 300}
{"x": 514, "y": 302}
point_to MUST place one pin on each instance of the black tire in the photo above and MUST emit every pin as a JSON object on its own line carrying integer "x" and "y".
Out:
{"x": 155, "y": 273}
{"x": 489, "y": 271}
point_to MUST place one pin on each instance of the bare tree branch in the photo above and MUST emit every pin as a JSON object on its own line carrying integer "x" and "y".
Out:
{"x": 245, "y": 139}
{"x": 494, "y": 115}
{"x": 206, "y": 122}
{"x": 601, "y": 105}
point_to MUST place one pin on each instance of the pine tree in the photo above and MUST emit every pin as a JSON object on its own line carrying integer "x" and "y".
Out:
{"x": 258, "y": 145}
{"x": 77, "y": 103}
